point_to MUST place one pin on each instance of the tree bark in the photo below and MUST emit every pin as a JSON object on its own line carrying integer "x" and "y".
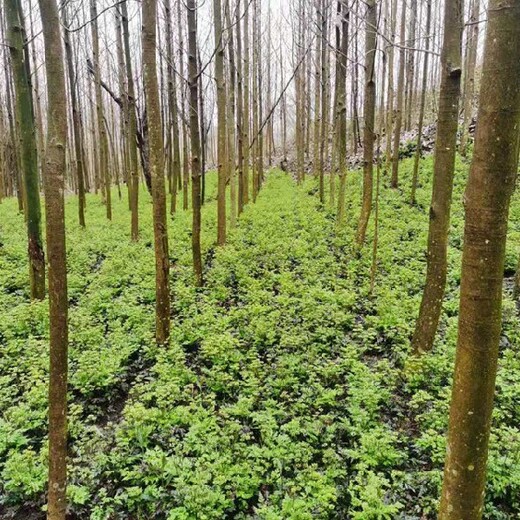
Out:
{"x": 221, "y": 122}
{"x": 231, "y": 112}
{"x": 173, "y": 126}
{"x": 132, "y": 127}
{"x": 54, "y": 175}
{"x": 399, "y": 101}
{"x": 240, "y": 113}
{"x": 369, "y": 109}
{"x": 20, "y": 65}
{"x": 153, "y": 110}
{"x": 76, "y": 119}
{"x": 390, "y": 94}
{"x": 444, "y": 164}
{"x": 490, "y": 186}
{"x": 104, "y": 171}
{"x": 341, "y": 112}
{"x": 469, "y": 75}
{"x": 418, "y": 151}
{"x": 246, "y": 122}
{"x": 195, "y": 140}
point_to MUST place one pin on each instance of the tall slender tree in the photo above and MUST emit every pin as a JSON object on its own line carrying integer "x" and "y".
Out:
{"x": 131, "y": 116}
{"x": 390, "y": 93}
{"x": 488, "y": 193}
{"x": 76, "y": 117}
{"x": 418, "y": 151}
{"x": 221, "y": 122}
{"x": 153, "y": 111}
{"x": 399, "y": 100}
{"x": 54, "y": 170}
{"x": 469, "y": 74}
{"x": 246, "y": 122}
{"x": 103, "y": 167}
{"x": 240, "y": 112}
{"x": 341, "y": 111}
{"x": 443, "y": 171}
{"x": 173, "y": 126}
{"x": 231, "y": 118}
{"x": 20, "y": 63}
{"x": 195, "y": 139}
{"x": 369, "y": 110}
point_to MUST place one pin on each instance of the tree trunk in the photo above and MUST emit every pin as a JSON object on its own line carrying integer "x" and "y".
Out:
{"x": 390, "y": 94}
{"x": 444, "y": 164}
{"x": 469, "y": 75}
{"x": 231, "y": 110}
{"x": 195, "y": 140}
{"x": 381, "y": 123}
{"x": 221, "y": 122}
{"x": 132, "y": 127}
{"x": 369, "y": 109}
{"x": 246, "y": 122}
{"x": 317, "y": 94}
{"x": 173, "y": 126}
{"x": 490, "y": 186}
{"x": 20, "y": 64}
{"x": 160, "y": 229}
{"x": 260, "y": 134}
{"x": 54, "y": 175}
{"x": 240, "y": 113}
{"x": 410, "y": 66}
{"x": 323, "y": 149}
{"x": 418, "y": 151}
{"x": 104, "y": 171}
{"x": 300, "y": 100}
{"x": 76, "y": 119}
{"x": 399, "y": 103}
{"x": 341, "y": 112}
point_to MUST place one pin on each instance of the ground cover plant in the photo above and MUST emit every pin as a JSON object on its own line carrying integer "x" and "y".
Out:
{"x": 287, "y": 390}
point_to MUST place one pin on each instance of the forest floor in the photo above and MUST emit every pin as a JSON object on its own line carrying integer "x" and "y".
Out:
{"x": 287, "y": 391}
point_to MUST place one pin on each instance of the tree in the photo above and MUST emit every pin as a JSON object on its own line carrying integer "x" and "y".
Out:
{"x": 231, "y": 110}
{"x": 399, "y": 101}
{"x": 103, "y": 168}
{"x": 160, "y": 229}
{"x": 490, "y": 186}
{"x": 76, "y": 118}
{"x": 341, "y": 111}
{"x": 300, "y": 96}
{"x": 241, "y": 145}
{"x": 246, "y": 122}
{"x": 131, "y": 116}
{"x": 195, "y": 139}
{"x": 443, "y": 170}
{"x": 27, "y": 132}
{"x": 422, "y": 103}
{"x": 323, "y": 149}
{"x": 221, "y": 122}
{"x": 369, "y": 109}
{"x": 54, "y": 176}
{"x": 174, "y": 155}
{"x": 469, "y": 73}
{"x": 390, "y": 93}
{"x": 410, "y": 66}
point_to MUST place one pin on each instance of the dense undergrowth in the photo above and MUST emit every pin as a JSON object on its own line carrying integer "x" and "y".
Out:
{"x": 287, "y": 390}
